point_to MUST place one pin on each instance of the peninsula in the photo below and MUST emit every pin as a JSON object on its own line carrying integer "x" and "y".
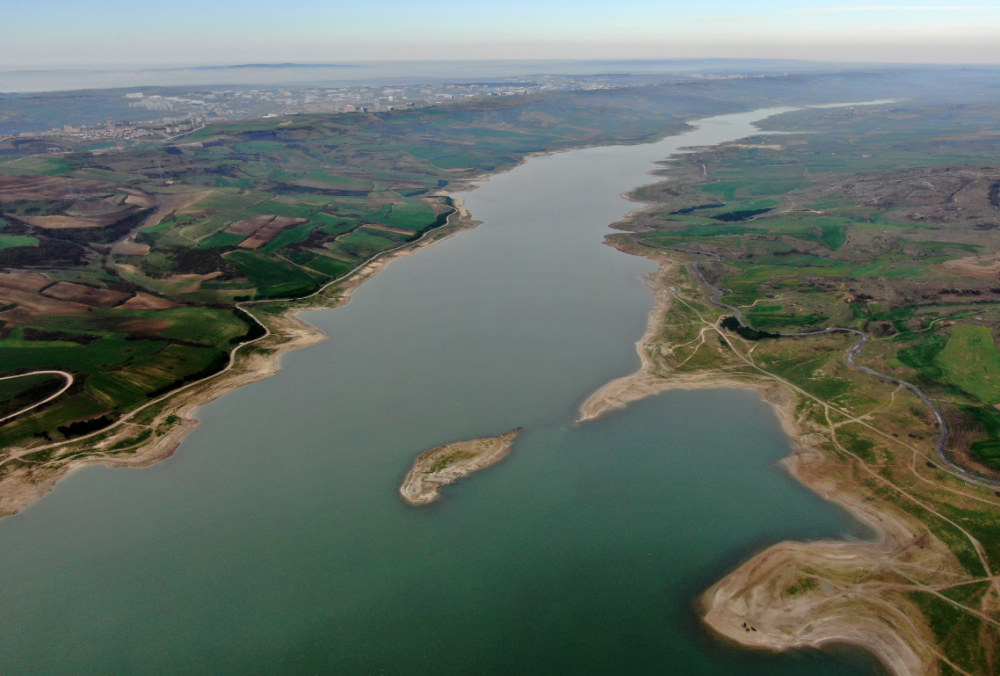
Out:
{"x": 840, "y": 273}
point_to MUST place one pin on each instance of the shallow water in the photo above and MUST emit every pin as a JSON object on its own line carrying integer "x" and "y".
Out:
{"x": 274, "y": 541}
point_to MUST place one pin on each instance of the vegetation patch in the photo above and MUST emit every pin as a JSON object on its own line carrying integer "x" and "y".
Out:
{"x": 274, "y": 277}
{"x": 971, "y": 361}
{"x": 739, "y": 215}
{"x": 86, "y": 426}
{"x": 731, "y": 323}
{"x": 414, "y": 214}
{"x": 15, "y": 241}
{"x": 19, "y": 393}
{"x": 767, "y": 317}
{"x": 960, "y": 634}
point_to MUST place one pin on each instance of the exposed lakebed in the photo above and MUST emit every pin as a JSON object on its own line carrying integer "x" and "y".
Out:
{"x": 275, "y": 541}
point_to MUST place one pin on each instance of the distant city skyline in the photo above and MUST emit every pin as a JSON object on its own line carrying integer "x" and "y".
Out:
{"x": 114, "y": 33}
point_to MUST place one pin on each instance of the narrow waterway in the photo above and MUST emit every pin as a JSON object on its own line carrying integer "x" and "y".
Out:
{"x": 274, "y": 541}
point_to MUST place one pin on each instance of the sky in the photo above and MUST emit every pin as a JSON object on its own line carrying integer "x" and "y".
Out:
{"x": 115, "y": 33}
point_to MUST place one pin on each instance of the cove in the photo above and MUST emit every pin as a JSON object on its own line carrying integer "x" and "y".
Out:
{"x": 274, "y": 540}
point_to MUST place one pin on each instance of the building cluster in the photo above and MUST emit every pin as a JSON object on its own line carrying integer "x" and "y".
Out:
{"x": 103, "y": 136}
{"x": 242, "y": 103}
{"x": 193, "y": 109}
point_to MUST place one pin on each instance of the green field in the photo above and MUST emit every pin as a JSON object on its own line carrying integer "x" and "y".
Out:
{"x": 12, "y": 387}
{"x": 415, "y": 215}
{"x": 971, "y": 361}
{"x": 768, "y": 317}
{"x": 221, "y": 239}
{"x": 45, "y": 166}
{"x": 12, "y": 241}
{"x": 363, "y": 244}
{"x": 330, "y": 266}
{"x": 71, "y": 409}
{"x": 288, "y": 236}
{"x": 108, "y": 352}
{"x": 131, "y": 384}
{"x": 275, "y": 278}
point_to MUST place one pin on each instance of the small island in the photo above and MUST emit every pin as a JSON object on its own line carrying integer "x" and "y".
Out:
{"x": 446, "y": 464}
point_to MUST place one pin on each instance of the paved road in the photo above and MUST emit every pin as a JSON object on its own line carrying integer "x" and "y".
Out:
{"x": 942, "y": 443}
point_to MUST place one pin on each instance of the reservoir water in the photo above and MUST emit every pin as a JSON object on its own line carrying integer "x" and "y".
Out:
{"x": 274, "y": 540}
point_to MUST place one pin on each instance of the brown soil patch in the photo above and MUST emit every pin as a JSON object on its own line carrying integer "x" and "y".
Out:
{"x": 63, "y": 222}
{"x": 175, "y": 284}
{"x": 977, "y": 266}
{"x": 31, "y": 304}
{"x": 266, "y": 233}
{"x": 292, "y": 200}
{"x": 192, "y": 282}
{"x": 407, "y": 185}
{"x": 143, "y": 200}
{"x": 24, "y": 281}
{"x": 88, "y": 295}
{"x": 386, "y": 228}
{"x": 250, "y": 225}
{"x": 323, "y": 185}
{"x": 95, "y": 208}
{"x": 165, "y": 205}
{"x": 44, "y": 188}
{"x": 144, "y": 301}
{"x": 129, "y": 248}
{"x": 179, "y": 201}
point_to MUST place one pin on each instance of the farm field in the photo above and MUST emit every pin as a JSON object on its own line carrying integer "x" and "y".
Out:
{"x": 279, "y": 208}
{"x": 124, "y": 266}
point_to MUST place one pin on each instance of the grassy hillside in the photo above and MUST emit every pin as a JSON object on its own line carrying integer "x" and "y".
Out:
{"x": 883, "y": 219}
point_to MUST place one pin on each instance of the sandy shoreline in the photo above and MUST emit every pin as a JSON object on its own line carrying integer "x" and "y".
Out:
{"x": 170, "y": 418}
{"x": 752, "y": 605}
{"x": 157, "y": 429}
{"x": 649, "y": 381}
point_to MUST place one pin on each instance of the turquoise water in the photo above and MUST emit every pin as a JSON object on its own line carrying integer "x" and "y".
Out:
{"x": 274, "y": 541}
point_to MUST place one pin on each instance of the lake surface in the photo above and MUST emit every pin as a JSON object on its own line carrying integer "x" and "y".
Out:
{"x": 274, "y": 540}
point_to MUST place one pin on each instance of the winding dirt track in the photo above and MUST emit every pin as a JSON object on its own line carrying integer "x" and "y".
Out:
{"x": 715, "y": 298}
{"x": 69, "y": 382}
{"x": 245, "y": 306}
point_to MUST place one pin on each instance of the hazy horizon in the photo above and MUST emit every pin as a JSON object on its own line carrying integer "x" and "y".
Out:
{"x": 406, "y": 72}
{"x": 109, "y": 33}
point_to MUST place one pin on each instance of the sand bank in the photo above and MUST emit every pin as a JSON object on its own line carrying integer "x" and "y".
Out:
{"x": 447, "y": 464}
